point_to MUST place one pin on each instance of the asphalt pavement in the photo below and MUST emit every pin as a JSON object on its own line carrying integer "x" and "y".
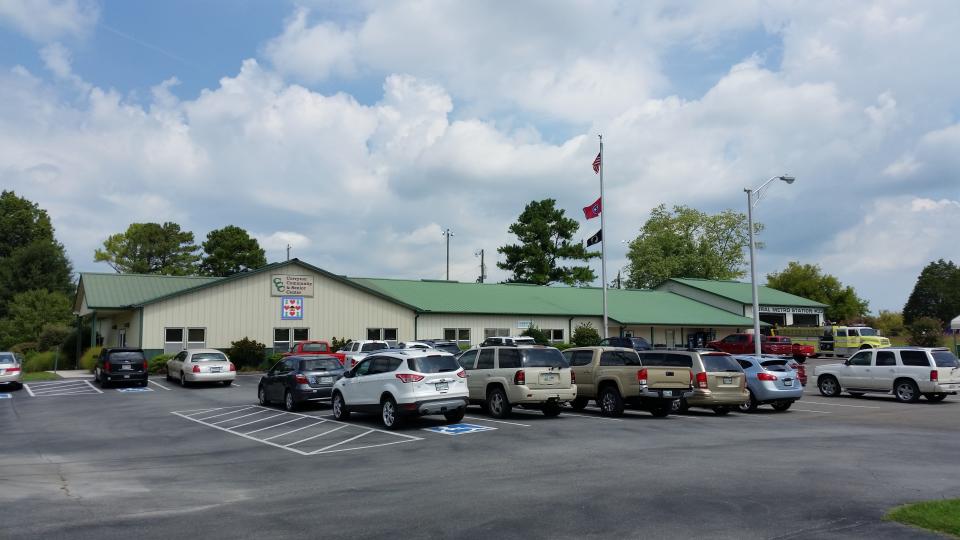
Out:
{"x": 207, "y": 462}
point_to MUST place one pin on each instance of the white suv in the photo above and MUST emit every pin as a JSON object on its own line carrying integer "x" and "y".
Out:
{"x": 399, "y": 383}
{"x": 907, "y": 372}
{"x": 355, "y": 350}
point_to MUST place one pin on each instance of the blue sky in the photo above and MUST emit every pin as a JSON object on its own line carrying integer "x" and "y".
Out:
{"x": 357, "y": 131}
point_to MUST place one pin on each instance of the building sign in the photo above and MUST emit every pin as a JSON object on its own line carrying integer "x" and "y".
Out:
{"x": 788, "y": 309}
{"x": 286, "y": 285}
{"x": 524, "y": 325}
{"x": 291, "y": 308}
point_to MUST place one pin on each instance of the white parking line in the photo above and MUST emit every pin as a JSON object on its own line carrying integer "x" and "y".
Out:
{"x": 255, "y": 421}
{"x": 342, "y": 442}
{"x": 322, "y": 433}
{"x": 808, "y": 402}
{"x": 160, "y": 385}
{"x": 27, "y": 388}
{"x": 295, "y": 430}
{"x": 92, "y": 386}
{"x": 496, "y": 421}
{"x": 270, "y": 427}
{"x": 201, "y": 411}
{"x": 238, "y": 417}
{"x": 808, "y": 410}
{"x": 205, "y": 418}
{"x": 61, "y": 388}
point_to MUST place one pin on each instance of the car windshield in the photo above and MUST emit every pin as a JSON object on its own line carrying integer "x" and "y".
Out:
{"x": 451, "y": 348}
{"x": 436, "y": 363}
{"x": 945, "y": 359}
{"x": 319, "y": 364}
{"x": 543, "y": 358}
{"x": 719, "y": 362}
{"x": 127, "y": 356}
{"x": 7, "y": 358}
{"x": 208, "y": 357}
{"x": 774, "y": 365}
{"x": 373, "y": 347}
{"x": 867, "y": 331}
{"x": 314, "y": 347}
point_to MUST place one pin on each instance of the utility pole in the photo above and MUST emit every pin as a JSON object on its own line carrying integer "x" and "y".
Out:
{"x": 448, "y": 233}
{"x": 288, "y": 252}
{"x": 483, "y": 267}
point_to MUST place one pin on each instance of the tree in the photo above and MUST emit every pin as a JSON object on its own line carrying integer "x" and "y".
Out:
{"x": 247, "y": 352}
{"x": 585, "y": 335}
{"x": 926, "y": 332}
{"x": 890, "y": 323}
{"x": 808, "y": 281}
{"x": 545, "y": 236}
{"x": 230, "y": 250}
{"x": 21, "y": 223}
{"x": 150, "y": 248}
{"x": 936, "y": 293}
{"x": 30, "y": 311}
{"x": 686, "y": 242}
{"x": 538, "y": 335}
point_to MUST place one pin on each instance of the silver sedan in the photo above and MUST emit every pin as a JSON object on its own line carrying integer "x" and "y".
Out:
{"x": 201, "y": 365}
{"x": 11, "y": 373}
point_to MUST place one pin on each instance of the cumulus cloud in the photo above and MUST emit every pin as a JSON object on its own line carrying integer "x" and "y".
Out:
{"x": 45, "y": 20}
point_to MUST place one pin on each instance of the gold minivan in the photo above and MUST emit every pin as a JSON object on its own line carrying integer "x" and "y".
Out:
{"x": 718, "y": 381}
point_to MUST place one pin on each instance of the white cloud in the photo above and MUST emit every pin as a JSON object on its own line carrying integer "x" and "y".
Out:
{"x": 312, "y": 53}
{"x": 45, "y": 20}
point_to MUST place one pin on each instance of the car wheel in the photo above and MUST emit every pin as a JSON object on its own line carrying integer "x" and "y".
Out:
{"x": 782, "y": 405}
{"x": 497, "y": 403}
{"x": 227, "y": 383}
{"x": 935, "y": 397}
{"x": 340, "y": 411}
{"x": 721, "y": 411}
{"x": 262, "y": 396}
{"x": 579, "y": 403}
{"x": 906, "y": 391}
{"x": 142, "y": 384}
{"x": 610, "y": 401}
{"x": 552, "y": 409}
{"x": 389, "y": 414}
{"x": 288, "y": 402}
{"x": 750, "y": 405}
{"x": 856, "y": 394}
{"x": 679, "y": 406}
{"x": 183, "y": 380}
{"x": 828, "y": 386}
{"x": 455, "y": 416}
{"x": 663, "y": 409}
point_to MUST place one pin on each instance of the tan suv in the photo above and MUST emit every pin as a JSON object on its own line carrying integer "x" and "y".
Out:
{"x": 718, "y": 380}
{"x": 531, "y": 376}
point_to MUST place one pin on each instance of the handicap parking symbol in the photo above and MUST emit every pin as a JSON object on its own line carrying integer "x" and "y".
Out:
{"x": 6, "y": 396}
{"x": 459, "y": 429}
{"x": 130, "y": 390}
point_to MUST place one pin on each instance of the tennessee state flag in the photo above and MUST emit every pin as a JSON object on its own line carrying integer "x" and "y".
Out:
{"x": 593, "y": 210}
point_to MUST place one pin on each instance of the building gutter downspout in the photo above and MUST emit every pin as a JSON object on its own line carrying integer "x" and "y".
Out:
{"x": 140, "y": 330}
{"x": 416, "y": 319}
{"x": 570, "y": 330}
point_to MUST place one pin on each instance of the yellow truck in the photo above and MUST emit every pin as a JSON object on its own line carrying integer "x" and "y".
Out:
{"x": 835, "y": 340}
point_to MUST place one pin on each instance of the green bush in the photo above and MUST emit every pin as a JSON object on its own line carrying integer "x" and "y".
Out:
{"x": 338, "y": 343}
{"x": 158, "y": 365}
{"x": 926, "y": 332}
{"x": 247, "y": 353}
{"x": 585, "y": 336}
{"x": 562, "y": 346}
{"x": 39, "y": 361}
{"x": 53, "y": 336}
{"x": 537, "y": 334}
{"x": 25, "y": 348}
{"x": 89, "y": 358}
{"x": 269, "y": 362}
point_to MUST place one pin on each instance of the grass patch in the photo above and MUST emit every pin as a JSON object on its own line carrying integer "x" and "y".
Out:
{"x": 40, "y": 376}
{"x": 941, "y": 516}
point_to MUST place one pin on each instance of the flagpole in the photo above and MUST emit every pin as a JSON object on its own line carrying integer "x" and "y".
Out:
{"x": 603, "y": 240}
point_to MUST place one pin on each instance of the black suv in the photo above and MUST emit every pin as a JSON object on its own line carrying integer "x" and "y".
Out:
{"x": 121, "y": 365}
{"x": 635, "y": 343}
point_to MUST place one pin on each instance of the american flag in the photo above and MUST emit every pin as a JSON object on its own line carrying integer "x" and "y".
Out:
{"x": 596, "y": 164}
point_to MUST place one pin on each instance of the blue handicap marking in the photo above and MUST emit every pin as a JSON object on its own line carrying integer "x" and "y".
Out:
{"x": 6, "y": 396}
{"x": 130, "y": 390}
{"x": 459, "y": 429}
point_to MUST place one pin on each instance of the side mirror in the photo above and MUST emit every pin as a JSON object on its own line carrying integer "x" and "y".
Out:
{"x": 348, "y": 374}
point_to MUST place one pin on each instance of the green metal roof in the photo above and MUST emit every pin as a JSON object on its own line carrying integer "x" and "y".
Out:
{"x": 743, "y": 293}
{"x": 105, "y": 291}
{"x": 624, "y": 306}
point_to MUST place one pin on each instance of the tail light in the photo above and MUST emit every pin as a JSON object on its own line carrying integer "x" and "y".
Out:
{"x": 196, "y": 368}
{"x": 146, "y": 367}
{"x": 106, "y": 367}
{"x": 642, "y": 377}
{"x": 702, "y": 380}
{"x": 232, "y": 367}
{"x": 13, "y": 369}
{"x": 520, "y": 377}
{"x": 300, "y": 379}
{"x": 409, "y": 377}
{"x": 764, "y": 376}
{"x": 573, "y": 377}
{"x": 934, "y": 375}
{"x": 462, "y": 374}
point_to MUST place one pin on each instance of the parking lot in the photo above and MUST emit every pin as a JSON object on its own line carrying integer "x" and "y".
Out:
{"x": 166, "y": 461}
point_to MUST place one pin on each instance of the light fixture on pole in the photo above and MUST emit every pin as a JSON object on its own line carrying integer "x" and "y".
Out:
{"x": 753, "y": 197}
{"x": 448, "y": 233}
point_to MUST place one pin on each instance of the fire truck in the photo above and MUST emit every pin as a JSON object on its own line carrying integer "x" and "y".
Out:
{"x": 835, "y": 340}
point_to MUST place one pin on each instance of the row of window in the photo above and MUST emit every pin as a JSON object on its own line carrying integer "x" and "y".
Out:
{"x": 463, "y": 334}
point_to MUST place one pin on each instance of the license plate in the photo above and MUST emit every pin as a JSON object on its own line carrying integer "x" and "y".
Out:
{"x": 788, "y": 382}
{"x": 668, "y": 393}
{"x": 126, "y": 367}
{"x": 550, "y": 377}
{"x": 215, "y": 369}
{"x": 126, "y": 376}
{"x": 324, "y": 379}
{"x": 442, "y": 387}
{"x": 728, "y": 380}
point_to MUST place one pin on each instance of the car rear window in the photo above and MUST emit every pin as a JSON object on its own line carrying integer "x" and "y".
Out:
{"x": 373, "y": 347}
{"x": 774, "y": 365}
{"x": 945, "y": 359}
{"x": 543, "y": 358}
{"x": 618, "y": 358}
{"x": 127, "y": 356}
{"x": 666, "y": 359}
{"x": 719, "y": 362}
{"x": 208, "y": 357}
{"x": 320, "y": 364}
{"x": 914, "y": 358}
{"x": 745, "y": 363}
{"x": 437, "y": 363}
{"x": 7, "y": 358}
{"x": 315, "y": 347}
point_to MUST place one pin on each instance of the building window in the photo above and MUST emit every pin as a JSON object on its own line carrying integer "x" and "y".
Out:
{"x": 460, "y": 335}
{"x": 495, "y": 332}
{"x": 379, "y": 334}
{"x": 284, "y": 338}
{"x": 196, "y": 338}
{"x": 301, "y": 334}
{"x": 555, "y": 335}
{"x": 173, "y": 341}
{"x": 390, "y": 334}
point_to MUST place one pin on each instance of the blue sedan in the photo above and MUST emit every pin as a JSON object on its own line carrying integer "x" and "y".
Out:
{"x": 770, "y": 381}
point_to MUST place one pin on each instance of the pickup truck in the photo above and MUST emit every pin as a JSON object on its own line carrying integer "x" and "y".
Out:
{"x": 799, "y": 351}
{"x": 314, "y": 347}
{"x": 743, "y": 344}
{"x": 355, "y": 350}
{"x": 615, "y": 377}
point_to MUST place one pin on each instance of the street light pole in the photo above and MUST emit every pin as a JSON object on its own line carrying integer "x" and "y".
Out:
{"x": 751, "y": 201}
{"x": 448, "y": 233}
